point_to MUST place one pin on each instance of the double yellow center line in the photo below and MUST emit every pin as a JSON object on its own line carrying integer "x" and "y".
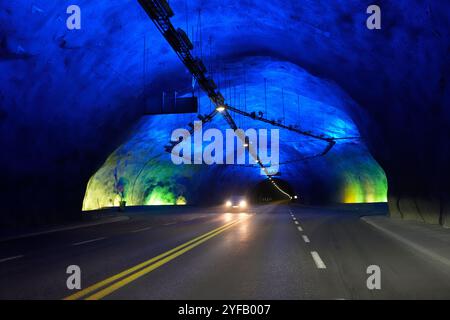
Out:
{"x": 103, "y": 288}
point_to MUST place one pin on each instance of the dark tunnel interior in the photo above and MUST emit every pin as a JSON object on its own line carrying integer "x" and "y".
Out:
{"x": 264, "y": 192}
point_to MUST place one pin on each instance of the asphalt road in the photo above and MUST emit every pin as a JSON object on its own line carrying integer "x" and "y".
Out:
{"x": 273, "y": 252}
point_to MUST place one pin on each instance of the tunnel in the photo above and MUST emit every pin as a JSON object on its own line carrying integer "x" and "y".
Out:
{"x": 224, "y": 150}
{"x": 84, "y": 135}
{"x": 147, "y": 175}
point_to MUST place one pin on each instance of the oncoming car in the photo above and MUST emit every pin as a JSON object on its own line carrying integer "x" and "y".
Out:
{"x": 236, "y": 204}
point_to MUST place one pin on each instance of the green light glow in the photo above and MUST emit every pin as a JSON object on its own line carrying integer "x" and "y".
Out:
{"x": 364, "y": 184}
{"x": 131, "y": 177}
{"x": 160, "y": 196}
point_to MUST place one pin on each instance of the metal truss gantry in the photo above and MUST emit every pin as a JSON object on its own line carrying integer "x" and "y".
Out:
{"x": 160, "y": 13}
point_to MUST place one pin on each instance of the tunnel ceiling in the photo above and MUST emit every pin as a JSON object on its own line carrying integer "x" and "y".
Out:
{"x": 69, "y": 98}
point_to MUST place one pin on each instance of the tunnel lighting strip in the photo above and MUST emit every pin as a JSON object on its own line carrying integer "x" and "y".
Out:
{"x": 160, "y": 13}
{"x": 279, "y": 189}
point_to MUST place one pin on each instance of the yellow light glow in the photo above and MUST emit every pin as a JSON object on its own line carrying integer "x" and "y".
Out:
{"x": 243, "y": 231}
{"x": 116, "y": 201}
{"x": 227, "y": 217}
{"x": 181, "y": 201}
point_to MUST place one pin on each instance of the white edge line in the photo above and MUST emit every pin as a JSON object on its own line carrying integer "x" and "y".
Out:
{"x": 11, "y": 258}
{"x": 318, "y": 261}
{"x": 409, "y": 243}
{"x": 87, "y": 241}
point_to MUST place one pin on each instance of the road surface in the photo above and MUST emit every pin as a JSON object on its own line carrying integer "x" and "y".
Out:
{"x": 274, "y": 252}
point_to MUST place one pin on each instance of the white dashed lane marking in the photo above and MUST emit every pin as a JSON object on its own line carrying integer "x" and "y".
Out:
{"x": 87, "y": 241}
{"x": 318, "y": 261}
{"x": 315, "y": 255}
{"x": 140, "y": 230}
{"x": 11, "y": 258}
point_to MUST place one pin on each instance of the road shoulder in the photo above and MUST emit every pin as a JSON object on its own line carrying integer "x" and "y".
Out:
{"x": 74, "y": 226}
{"x": 432, "y": 241}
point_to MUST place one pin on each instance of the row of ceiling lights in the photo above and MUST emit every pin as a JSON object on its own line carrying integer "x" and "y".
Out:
{"x": 160, "y": 12}
{"x": 222, "y": 109}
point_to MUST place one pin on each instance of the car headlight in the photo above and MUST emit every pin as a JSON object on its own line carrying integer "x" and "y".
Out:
{"x": 243, "y": 204}
{"x": 228, "y": 203}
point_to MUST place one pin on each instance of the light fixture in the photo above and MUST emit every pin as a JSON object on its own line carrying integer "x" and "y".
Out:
{"x": 220, "y": 108}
